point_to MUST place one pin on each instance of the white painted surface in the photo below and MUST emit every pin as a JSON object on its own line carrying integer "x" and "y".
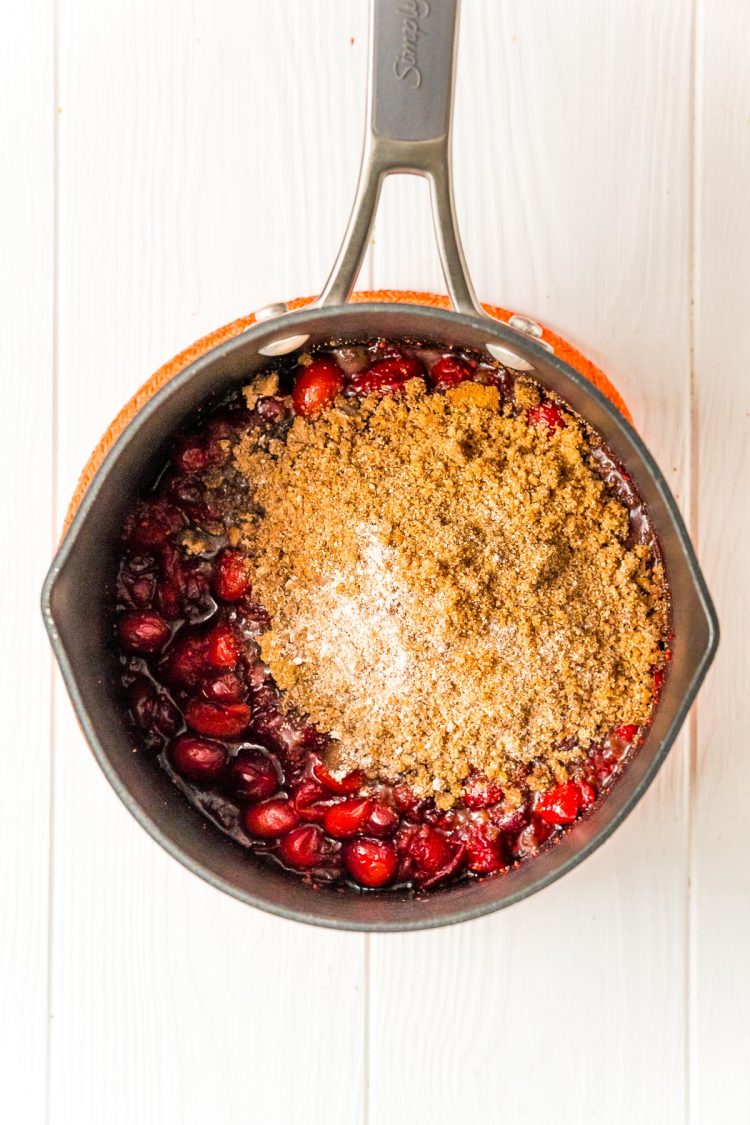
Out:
{"x": 167, "y": 167}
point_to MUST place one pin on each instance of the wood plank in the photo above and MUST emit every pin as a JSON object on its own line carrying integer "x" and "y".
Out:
{"x": 572, "y": 180}
{"x": 206, "y": 168}
{"x": 27, "y": 153}
{"x": 720, "y": 974}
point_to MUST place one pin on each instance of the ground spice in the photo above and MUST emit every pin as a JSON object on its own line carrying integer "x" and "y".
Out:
{"x": 450, "y": 588}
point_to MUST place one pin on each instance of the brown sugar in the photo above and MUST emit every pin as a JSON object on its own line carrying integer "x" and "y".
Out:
{"x": 450, "y": 588}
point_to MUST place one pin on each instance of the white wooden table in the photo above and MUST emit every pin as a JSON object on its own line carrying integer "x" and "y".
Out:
{"x": 169, "y": 166}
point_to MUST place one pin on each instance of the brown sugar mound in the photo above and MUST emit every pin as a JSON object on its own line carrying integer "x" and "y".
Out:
{"x": 450, "y": 588}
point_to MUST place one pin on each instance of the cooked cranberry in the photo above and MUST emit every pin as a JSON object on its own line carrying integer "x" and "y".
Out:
{"x": 588, "y": 794}
{"x": 430, "y": 850}
{"x": 228, "y": 688}
{"x": 231, "y": 581}
{"x": 311, "y": 800}
{"x": 137, "y": 581}
{"x": 316, "y": 386}
{"x": 382, "y": 821}
{"x": 302, "y": 847}
{"x": 547, "y": 414}
{"x": 152, "y": 523}
{"x": 272, "y": 818}
{"x": 198, "y": 759}
{"x": 349, "y": 783}
{"x": 559, "y": 805}
{"x": 143, "y": 632}
{"x": 404, "y": 798}
{"x": 186, "y": 664}
{"x": 531, "y": 839}
{"x": 479, "y": 792}
{"x": 450, "y": 371}
{"x": 346, "y": 818}
{"x": 483, "y": 849}
{"x": 372, "y": 863}
{"x": 222, "y": 650}
{"x": 142, "y": 699}
{"x": 190, "y": 456}
{"x": 220, "y": 720}
{"x": 387, "y": 376}
{"x": 627, "y": 732}
{"x": 252, "y": 775}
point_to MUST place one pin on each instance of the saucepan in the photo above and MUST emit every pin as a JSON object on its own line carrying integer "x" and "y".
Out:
{"x": 408, "y": 130}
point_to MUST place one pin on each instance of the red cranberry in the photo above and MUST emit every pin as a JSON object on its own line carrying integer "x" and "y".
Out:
{"x": 303, "y": 846}
{"x": 547, "y": 414}
{"x": 143, "y": 631}
{"x": 222, "y": 650}
{"x": 311, "y": 800}
{"x": 372, "y": 863}
{"x": 152, "y": 523}
{"x": 252, "y": 776}
{"x": 450, "y": 371}
{"x": 404, "y": 798}
{"x": 219, "y": 720}
{"x": 272, "y": 818}
{"x": 347, "y": 817}
{"x": 186, "y": 664}
{"x": 190, "y": 456}
{"x": 559, "y": 805}
{"x": 387, "y": 376}
{"x": 231, "y": 580}
{"x": 659, "y": 677}
{"x": 430, "y": 850}
{"x": 626, "y": 732}
{"x": 142, "y": 699}
{"x": 228, "y": 688}
{"x": 483, "y": 850}
{"x": 198, "y": 759}
{"x": 480, "y": 792}
{"x": 137, "y": 582}
{"x": 316, "y": 386}
{"x": 588, "y": 794}
{"x": 350, "y": 783}
{"x": 382, "y": 821}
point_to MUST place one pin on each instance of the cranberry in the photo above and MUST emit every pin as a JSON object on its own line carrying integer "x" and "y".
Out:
{"x": 198, "y": 759}
{"x": 303, "y": 846}
{"x": 547, "y": 414}
{"x": 382, "y": 821}
{"x": 430, "y": 850}
{"x": 316, "y": 386}
{"x": 186, "y": 664}
{"x": 347, "y": 817}
{"x": 190, "y": 456}
{"x": 228, "y": 688}
{"x": 404, "y": 798}
{"x": 231, "y": 581}
{"x": 152, "y": 523}
{"x": 142, "y": 699}
{"x": 450, "y": 371}
{"x": 311, "y": 800}
{"x": 143, "y": 631}
{"x": 387, "y": 376}
{"x": 372, "y": 863}
{"x": 137, "y": 582}
{"x": 559, "y": 805}
{"x": 588, "y": 794}
{"x": 350, "y": 783}
{"x": 222, "y": 650}
{"x": 252, "y": 775}
{"x": 483, "y": 850}
{"x": 219, "y": 720}
{"x": 479, "y": 792}
{"x": 627, "y": 732}
{"x": 272, "y": 818}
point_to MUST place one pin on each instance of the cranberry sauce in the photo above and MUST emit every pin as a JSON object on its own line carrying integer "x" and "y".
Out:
{"x": 203, "y": 704}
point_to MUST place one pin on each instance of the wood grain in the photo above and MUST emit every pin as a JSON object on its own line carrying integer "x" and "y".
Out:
{"x": 720, "y": 969}
{"x": 573, "y": 187}
{"x": 27, "y": 159}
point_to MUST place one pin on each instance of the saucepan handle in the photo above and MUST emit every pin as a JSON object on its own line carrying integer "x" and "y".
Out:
{"x": 409, "y": 110}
